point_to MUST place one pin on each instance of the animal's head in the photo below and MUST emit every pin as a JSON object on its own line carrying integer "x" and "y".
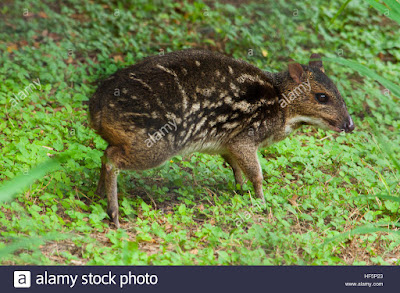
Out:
{"x": 311, "y": 98}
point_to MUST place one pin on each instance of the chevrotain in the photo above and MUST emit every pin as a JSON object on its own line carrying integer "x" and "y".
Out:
{"x": 202, "y": 101}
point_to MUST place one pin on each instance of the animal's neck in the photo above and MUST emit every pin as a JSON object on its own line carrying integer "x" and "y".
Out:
{"x": 272, "y": 119}
{"x": 289, "y": 119}
{"x": 290, "y": 116}
{"x": 277, "y": 78}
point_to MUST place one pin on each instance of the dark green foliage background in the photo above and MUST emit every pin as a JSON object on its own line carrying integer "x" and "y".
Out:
{"x": 318, "y": 185}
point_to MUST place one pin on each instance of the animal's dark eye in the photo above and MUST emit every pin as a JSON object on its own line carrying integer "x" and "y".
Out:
{"x": 321, "y": 98}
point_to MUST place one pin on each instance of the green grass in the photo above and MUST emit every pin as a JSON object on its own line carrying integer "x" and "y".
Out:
{"x": 331, "y": 199}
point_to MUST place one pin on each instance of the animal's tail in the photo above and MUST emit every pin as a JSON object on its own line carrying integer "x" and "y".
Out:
{"x": 95, "y": 109}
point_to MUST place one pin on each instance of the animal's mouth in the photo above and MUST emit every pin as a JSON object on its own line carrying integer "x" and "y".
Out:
{"x": 330, "y": 125}
{"x": 347, "y": 126}
{"x": 334, "y": 128}
{"x": 325, "y": 124}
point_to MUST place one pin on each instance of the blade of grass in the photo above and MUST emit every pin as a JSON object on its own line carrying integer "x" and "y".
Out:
{"x": 393, "y": 4}
{"x": 21, "y": 182}
{"x": 366, "y": 229}
{"x": 386, "y": 146}
{"x": 393, "y": 13}
{"x": 343, "y": 7}
{"x": 382, "y": 196}
{"x": 395, "y": 89}
{"x": 26, "y": 242}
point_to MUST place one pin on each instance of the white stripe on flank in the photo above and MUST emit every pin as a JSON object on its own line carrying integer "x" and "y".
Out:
{"x": 184, "y": 95}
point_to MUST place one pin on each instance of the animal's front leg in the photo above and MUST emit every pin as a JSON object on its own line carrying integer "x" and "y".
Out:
{"x": 246, "y": 158}
{"x": 237, "y": 172}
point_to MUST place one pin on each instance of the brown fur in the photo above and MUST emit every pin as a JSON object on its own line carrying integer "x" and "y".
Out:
{"x": 195, "y": 100}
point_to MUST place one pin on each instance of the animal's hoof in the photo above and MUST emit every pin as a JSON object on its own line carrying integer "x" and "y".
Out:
{"x": 116, "y": 223}
{"x": 114, "y": 217}
{"x": 240, "y": 191}
{"x": 263, "y": 202}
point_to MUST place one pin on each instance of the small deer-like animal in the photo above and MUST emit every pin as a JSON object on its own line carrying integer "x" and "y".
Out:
{"x": 201, "y": 101}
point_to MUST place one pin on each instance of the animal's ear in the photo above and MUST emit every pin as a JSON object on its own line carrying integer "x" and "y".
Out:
{"x": 295, "y": 71}
{"x": 316, "y": 62}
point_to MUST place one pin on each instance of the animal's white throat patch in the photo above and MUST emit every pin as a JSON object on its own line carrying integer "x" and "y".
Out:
{"x": 292, "y": 122}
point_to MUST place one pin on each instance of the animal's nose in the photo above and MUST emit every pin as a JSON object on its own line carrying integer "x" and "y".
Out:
{"x": 348, "y": 125}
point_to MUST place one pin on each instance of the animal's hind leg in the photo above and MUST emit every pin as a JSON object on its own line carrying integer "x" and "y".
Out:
{"x": 101, "y": 185}
{"x": 125, "y": 156}
{"x": 115, "y": 159}
{"x": 110, "y": 181}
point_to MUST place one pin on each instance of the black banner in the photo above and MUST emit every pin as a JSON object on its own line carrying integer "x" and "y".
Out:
{"x": 198, "y": 279}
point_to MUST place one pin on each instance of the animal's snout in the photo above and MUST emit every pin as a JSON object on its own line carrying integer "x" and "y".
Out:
{"x": 348, "y": 125}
